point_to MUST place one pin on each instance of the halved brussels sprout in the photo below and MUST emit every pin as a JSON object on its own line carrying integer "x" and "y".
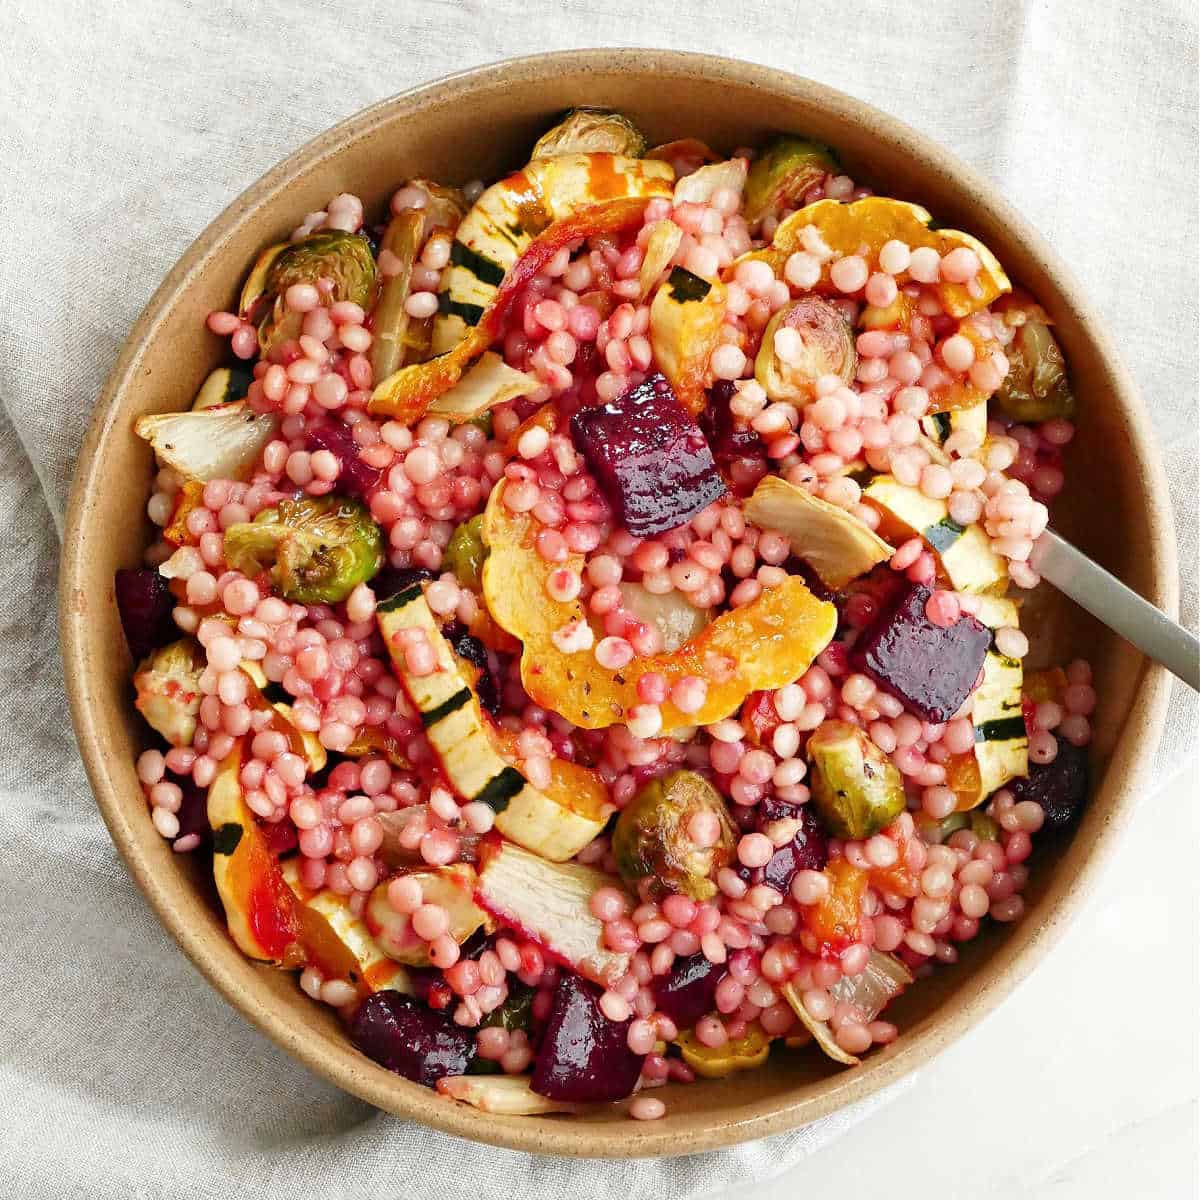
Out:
{"x": 983, "y": 827}
{"x": 785, "y": 169}
{"x": 344, "y": 259}
{"x": 652, "y": 840}
{"x": 1036, "y": 388}
{"x": 588, "y": 130}
{"x": 465, "y": 553}
{"x": 319, "y": 549}
{"x": 857, "y": 789}
{"x": 824, "y": 345}
{"x": 737, "y": 1054}
{"x": 168, "y": 690}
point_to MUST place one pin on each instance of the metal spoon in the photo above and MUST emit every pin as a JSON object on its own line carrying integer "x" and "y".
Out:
{"x": 1120, "y": 608}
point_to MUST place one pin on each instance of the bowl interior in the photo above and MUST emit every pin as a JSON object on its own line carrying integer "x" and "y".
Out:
{"x": 475, "y": 126}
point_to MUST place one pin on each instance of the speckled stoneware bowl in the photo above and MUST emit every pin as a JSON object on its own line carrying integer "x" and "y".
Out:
{"x": 1115, "y": 506}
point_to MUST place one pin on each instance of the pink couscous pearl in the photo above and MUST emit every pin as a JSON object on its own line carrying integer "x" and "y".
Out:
{"x": 849, "y": 274}
{"x": 647, "y": 1108}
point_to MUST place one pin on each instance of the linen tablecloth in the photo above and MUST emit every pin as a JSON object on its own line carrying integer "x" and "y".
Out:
{"x": 125, "y": 128}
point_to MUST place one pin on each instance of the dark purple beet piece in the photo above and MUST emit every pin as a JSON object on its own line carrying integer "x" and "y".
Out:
{"x": 931, "y": 669}
{"x": 688, "y": 991}
{"x": 649, "y": 456}
{"x": 193, "y": 811}
{"x": 1060, "y": 787}
{"x": 355, "y": 478}
{"x": 728, "y": 442}
{"x": 403, "y": 1035}
{"x": 807, "y": 851}
{"x": 584, "y": 1056}
{"x": 145, "y": 604}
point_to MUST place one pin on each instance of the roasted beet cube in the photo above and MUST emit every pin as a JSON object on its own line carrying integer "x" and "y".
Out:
{"x": 1060, "y": 787}
{"x": 649, "y": 456}
{"x": 355, "y": 478}
{"x": 728, "y": 442}
{"x": 584, "y": 1056}
{"x": 145, "y": 604}
{"x": 688, "y": 991}
{"x": 400, "y": 1033}
{"x": 930, "y": 669}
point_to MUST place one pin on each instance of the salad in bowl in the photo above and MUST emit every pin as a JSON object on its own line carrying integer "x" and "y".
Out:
{"x": 584, "y": 626}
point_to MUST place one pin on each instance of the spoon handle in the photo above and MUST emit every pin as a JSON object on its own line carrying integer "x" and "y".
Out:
{"x": 1119, "y": 607}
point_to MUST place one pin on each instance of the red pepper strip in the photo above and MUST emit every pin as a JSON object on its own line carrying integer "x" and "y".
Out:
{"x": 406, "y": 395}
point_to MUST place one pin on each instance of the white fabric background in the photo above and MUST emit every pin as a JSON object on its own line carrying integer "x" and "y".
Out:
{"x": 125, "y": 128}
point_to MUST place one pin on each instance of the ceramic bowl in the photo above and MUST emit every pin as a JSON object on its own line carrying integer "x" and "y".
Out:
{"x": 477, "y": 125}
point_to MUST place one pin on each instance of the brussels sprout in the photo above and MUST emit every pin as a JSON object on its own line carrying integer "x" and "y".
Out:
{"x": 652, "y": 839}
{"x": 1036, "y": 388}
{"x": 785, "y": 169}
{"x": 825, "y": 346}
{"x": 743, "y": 1053}
{"x": 855, "y": 786}
{"x": 168, "y": 690}
{"x": 983, "y": 827}
{"x": 344, "y": 259}
{"x": 936, "y": 832}
{"x": 516, "y": 1012}
{"x": 319, "y": 550}
{"x": 465, "y": 553}
{"x": 591, "y": 131}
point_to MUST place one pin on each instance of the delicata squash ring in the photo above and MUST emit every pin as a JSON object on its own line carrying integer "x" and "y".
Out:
{"x": 764, "y": 644}
{"x": 876, "y": 220}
